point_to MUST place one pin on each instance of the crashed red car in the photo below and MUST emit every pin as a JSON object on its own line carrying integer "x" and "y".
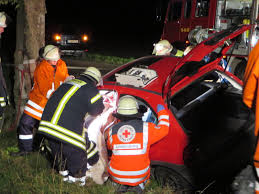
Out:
{"x": 211, "y": 130}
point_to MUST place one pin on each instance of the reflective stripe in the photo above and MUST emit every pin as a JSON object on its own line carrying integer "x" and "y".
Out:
{"x": 34, "y": 105}
{"x": 94, "y": 99}
{"x": 25, "y": 137}
{"x": 89, "y": 155}
{"x": 256, "y": 186}
{"x": 1, "y": 98}
{"x": 110, "y": 134}
{"x": 91, "y": 146}
{"x": 3, "y": 104}
{"x": 127, "y": 146}
{"x": 63, "y": 103}
{"x": 163, "y": 123}
{"x": 50, "y": 91}
{"x": 163, "y": 117}
{"x": 63, "y": 137}
{"x": 136, "y": 152}
{"x": 129, "y": 180}
{"x": 63, "y": 130}
{"x": 33, "y": 111}
{"x": 129, "y": 173}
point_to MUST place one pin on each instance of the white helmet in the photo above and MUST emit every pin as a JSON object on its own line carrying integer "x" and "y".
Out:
{"x": 127, "y": 105}
{"x": 94, "y": 73}
{"x": 51, "y": 52}
{"x": 2, "y": 19}
{"x": 163, "y": 47}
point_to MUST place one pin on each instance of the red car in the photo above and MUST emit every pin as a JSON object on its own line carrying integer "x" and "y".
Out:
{"x": 211, "y": 130}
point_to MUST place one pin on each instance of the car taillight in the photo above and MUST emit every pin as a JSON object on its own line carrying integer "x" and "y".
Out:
{"x": 57, "y": 37}
{"x": 85, "y": 38}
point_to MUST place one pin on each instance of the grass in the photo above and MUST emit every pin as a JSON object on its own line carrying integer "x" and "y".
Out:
{"x": 34, "y": 174}
{"x": 98, "y": 58}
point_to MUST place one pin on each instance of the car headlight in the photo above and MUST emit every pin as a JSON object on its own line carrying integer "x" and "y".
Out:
{"x": 57, "y": 37}
{"x": 85, "y": 38}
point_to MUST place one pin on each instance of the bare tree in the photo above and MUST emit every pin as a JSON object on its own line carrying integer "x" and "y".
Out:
{"x": 30, "y": 37}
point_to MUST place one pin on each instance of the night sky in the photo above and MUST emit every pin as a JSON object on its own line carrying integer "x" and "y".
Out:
{"x": 120, "y": 25}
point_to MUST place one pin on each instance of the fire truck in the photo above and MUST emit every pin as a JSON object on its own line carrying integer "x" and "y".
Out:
{"x": 192, "y": 21}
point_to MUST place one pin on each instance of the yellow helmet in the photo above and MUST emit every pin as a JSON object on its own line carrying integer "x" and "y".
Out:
{"x": 163, "y": 47}
{"x": 127, "y": 105}
{"x": 2, "y": 19}
{"x": 93, "y": 72}
{"x": 51, "y": 52}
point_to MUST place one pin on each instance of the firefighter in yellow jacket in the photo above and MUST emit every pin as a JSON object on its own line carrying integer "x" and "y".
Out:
{"x": 48, "y": 76}
{"x": 130, "y": 141}
{"x": 251, "y": 99}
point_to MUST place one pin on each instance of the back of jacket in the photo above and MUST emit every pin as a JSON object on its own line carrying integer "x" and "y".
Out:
{"x": 130, "y": 144}
{"x": 64, "y": 114}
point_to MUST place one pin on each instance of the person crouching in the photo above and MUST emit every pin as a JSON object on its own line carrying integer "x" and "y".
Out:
{"x": 130, "y": 141}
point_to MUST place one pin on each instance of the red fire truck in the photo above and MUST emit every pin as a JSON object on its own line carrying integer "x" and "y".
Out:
{"x": 192, "y": 21}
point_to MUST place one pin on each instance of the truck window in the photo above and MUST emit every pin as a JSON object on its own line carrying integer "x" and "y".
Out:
{"x": 175, "y": 11}
{"x": 188, "y": 8}
{"x": 202, "y": 8}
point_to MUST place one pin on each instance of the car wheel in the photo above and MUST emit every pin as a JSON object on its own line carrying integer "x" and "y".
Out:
{"x": 168, "y": 177}
{"x": 240, "y": 69}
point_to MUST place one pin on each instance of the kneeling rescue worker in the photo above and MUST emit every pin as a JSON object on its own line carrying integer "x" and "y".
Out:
{"x": 163, "y": 47}
{"x": 62, "y": 123}
{"x": 49, "y": 74}
{"x": 130, "y": 141}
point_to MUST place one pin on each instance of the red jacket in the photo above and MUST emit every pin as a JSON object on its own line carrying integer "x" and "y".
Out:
{"x": 46, "y": 80}
{"x": 130, "y": 143}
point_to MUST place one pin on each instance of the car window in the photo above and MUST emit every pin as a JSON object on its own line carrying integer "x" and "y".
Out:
{"x": 148, "y": 113}
{"x": 200, "y": 90}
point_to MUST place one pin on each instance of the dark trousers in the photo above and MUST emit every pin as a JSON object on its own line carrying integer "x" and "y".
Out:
{"x": 68, "y": 157}
{"x": 25, "y": 132}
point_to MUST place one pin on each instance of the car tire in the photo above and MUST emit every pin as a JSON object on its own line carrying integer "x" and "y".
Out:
{"x": 240, "y": 69}
{"x": 169, "y": 177}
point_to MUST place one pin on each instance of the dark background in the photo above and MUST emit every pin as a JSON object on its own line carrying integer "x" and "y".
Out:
{"x": 117, "y": 27}
{"x": 126, "y": 28}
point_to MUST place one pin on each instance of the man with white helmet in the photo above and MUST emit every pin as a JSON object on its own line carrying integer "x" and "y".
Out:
{"x": 49, "y": 74}
{"x": 62, "y": 124}
{"x": 3, "y": 88}
{"x": 130, "y": 141}
{"x": 163, "y": 47}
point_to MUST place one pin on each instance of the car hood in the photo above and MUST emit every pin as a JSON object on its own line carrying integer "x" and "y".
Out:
{"x": 193, "y": 61}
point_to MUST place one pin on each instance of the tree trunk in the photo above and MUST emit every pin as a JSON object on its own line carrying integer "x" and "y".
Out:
{"x": 30, "y": 37}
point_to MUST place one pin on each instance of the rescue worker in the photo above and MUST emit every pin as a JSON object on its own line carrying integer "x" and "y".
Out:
{"x": 63, "y": 120}
{"x": 251, "y": 99}
{"x": 130, "y": 141}
{"x": 49, "y": 74}
{"x": 3, "y": 88}
{"x": 163, "y": 47}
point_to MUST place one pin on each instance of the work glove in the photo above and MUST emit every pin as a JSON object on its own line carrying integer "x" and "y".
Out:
{"x": 160, "y": 107}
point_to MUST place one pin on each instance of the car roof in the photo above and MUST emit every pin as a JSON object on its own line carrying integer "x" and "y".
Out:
{"x": 162, "y": 65}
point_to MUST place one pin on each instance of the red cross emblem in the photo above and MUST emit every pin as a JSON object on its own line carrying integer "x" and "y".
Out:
{"x": 126, "y": 133}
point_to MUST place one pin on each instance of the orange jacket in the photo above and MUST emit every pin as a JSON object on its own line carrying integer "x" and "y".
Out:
{"x": 251, "y": 91}
{"x": 130, "y": 143}
{"x": 46, "y": 81}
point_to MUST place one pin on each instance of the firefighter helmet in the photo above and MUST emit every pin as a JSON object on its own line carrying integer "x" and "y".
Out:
{"x": 2, "y": 19}
{"x": 51, "y": 52}
{"x": 163, "y": 47}
{"x": 127, "y": 105}
{"x": 93, "y": 72}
